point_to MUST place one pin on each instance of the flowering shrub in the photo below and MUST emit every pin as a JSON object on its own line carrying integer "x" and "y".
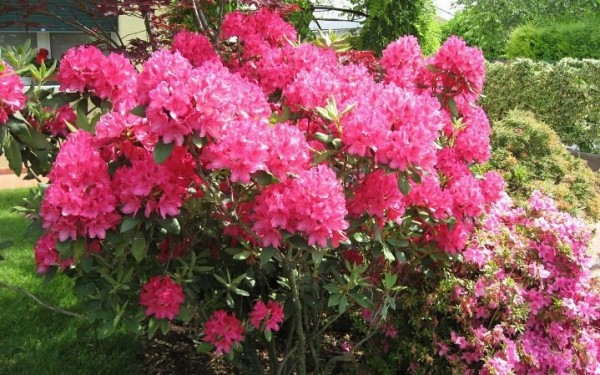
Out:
{"x": 215, "y": 180}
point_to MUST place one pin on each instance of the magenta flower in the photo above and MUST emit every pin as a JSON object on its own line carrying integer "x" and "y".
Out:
{"x": 270, "y": 314}
{"x": 223, "y": 330}
{"x": 162, "y": 297}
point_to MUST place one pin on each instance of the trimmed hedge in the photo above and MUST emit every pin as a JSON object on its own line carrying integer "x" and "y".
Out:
{"x": 563, "y": 95}
{"x": 530, "y": 155}
{"x": 557, "y": 40}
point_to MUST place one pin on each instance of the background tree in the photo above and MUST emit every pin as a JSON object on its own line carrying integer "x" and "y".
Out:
{"x": 488, "y": 23}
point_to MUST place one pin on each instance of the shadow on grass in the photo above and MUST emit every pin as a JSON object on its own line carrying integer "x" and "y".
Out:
{"x": 35, "y": 340}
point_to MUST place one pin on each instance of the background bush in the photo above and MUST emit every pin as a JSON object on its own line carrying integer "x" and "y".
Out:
{"x": 563, "y": 95}
{"x": 531, "y": 156}
{"x": 556, "y": 40}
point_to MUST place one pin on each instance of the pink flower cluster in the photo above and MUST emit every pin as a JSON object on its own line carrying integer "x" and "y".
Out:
{"x": 80, "y": 200}
{"x": 248, "y": 146}
{"x": 162, "y": 297}
{"x": 195, "y": 47}
{"x": 111, "y": 77}
{"x": 534, "y": 308}
{"x": 154, "y": 188}
{"x": 313, "y": 204}
{"x": 12, "y": 98}
{"x": 270, "y": 315}
{"x": 223, "y": 330}
{"x": 182, "y": 100}
{"x": 57, "y": 124}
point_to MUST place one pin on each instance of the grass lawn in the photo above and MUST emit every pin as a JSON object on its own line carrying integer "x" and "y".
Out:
{"x": 35, "y": 340}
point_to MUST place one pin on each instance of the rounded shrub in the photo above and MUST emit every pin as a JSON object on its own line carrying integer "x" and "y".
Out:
{"x": 531, "y": 156}
{"x": 556, "y": 40}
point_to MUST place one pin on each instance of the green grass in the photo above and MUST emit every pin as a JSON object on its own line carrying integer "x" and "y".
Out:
{"x": 35, "y": 340}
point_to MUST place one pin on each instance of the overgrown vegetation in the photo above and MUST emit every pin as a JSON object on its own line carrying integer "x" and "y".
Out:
{"x": 563, "y": 95}
{"x": 37, "y": 340}
{"x": 576, "y": 38}
{"x": 532, "y": 157}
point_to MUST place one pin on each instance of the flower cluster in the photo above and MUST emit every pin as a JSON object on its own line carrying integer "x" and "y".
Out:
{"x": 80, "y": 200}
{"x": 111, "y": 77}
{"x": 223, "y": 330}
{"x": 12, "y": 98}
{"x": 533, "y": 308}
{"x": 162, "y": 297}
{"x": 313, "y": 204}
{"x": 270, "y": 315}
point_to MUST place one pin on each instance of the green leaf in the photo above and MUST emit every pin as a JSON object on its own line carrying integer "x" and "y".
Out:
{"x": 185, "y": 314}
{"x": 268, "y": 336}
{"x": 241, "y": 292}
{"x": 105, "y": 330}
{"x": 82, "y": 119}
{"x": 362, "y": 300}
{"x": 139, "y": 111}
{"x": 138, "y": 248}
{"x": 153, "y": 325}
{"x": 13, "y": 154}
{"x": 401, "y": 257}
{"x": 334, "y": 300}
{"x": 264, "y": 178}
{"x": 403, "y": 183}
{"x": 204, "y": 347}
{"x": 360, "y": 237}
{"x": 332, "y": 288}
{"x": 6, "y": 244}
{"x": 266, "y": 254}
{"x": 162, "y": 151}
{"x": 397, "y": 242}
{"x": 65, "y": 248}
{"x": 79, "y": 248}
{"x": 317, "y": 256}
{"x": 387, "y": 253}
{"x": 129, "y": 223}
{"x": 242, "y": 255}
{"x": 164, "y": 326}
{"x": 171, "y": 225}
{"x": 343, "y": 304}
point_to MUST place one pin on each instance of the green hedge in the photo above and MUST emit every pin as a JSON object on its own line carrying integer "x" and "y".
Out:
{"x": 564, "y": 95}
{"x": 531, "y": 156}
{"x": 557, "y": 40}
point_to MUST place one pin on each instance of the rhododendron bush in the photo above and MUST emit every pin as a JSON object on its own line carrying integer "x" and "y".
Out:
{"x": 267, "y": 189}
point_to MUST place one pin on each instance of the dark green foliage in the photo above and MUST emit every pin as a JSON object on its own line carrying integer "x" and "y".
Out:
{"x": 577, "y": 38}
{"x": 563, "y": 95}
{"x": 390, "y": 19}
{"x": 531, "y": 156}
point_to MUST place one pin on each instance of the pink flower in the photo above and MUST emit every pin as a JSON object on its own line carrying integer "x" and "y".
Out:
{"x": 154, "y": 188}
{"x": 270, "y": 314}
{"x": 80, "y": 200}
{"x": 223, "y": 330}
{"x": 313, "y": 204}
{"x": 57, "y": 125}
{"x": 46, "y": 254}
{"x": 110, "y": 77}
{"x": 378, "y": 195}
{"x": 195, "y": 47}
{"x": 162, "y": 297}
{"x": 402, "y": 61}
{"x": 242, "y": 149}
{"x": 12, "y": 98}
{"x": 459, "y": 71}
{"x": 287, "y": 151}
